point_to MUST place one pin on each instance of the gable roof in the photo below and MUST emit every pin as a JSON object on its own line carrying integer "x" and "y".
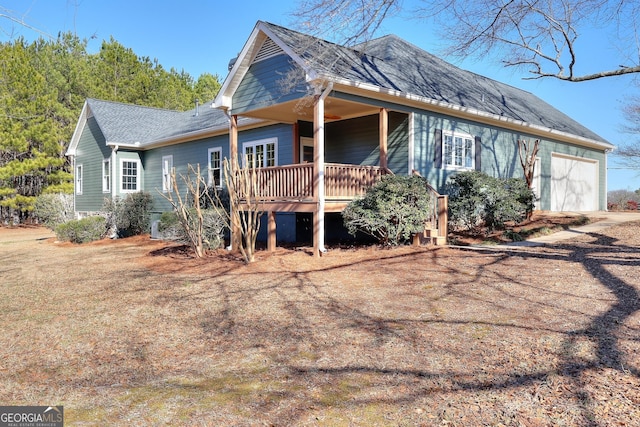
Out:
{"x": 395, "y": 68}
{"x": 135, "y": 126}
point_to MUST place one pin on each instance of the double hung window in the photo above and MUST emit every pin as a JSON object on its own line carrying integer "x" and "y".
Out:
{"x": 167, "y": 165}
{"x": 130, "y": 176}
{"x": 106, "y": 176}
{"x": 215, "y": 166}
{"x": 457, "y": 151}
{"x": 261, "y": 153}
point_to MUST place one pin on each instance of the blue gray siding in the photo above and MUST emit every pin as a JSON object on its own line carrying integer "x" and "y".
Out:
{"x": 196, "y": 152}
{"x": 357, "y": 141}
{"x": 263, "y": 85}
{"x": 91, "y": 152}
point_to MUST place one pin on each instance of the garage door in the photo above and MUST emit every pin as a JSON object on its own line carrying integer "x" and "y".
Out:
{"x": 574, "y": 184}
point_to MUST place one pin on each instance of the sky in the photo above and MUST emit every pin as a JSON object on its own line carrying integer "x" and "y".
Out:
{"x": 202, "y": 36}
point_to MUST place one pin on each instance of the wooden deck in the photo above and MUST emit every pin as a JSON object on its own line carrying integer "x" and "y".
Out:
{"x": 290, "y": 188}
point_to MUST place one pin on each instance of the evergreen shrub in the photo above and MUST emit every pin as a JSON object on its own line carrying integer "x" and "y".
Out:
{"x": 129, "y": 216}
{"x": 82, "y": 230}
{"x": 477, "y": 199}
{"x": 392, "y": 210}
{"x": 53, "y": 209}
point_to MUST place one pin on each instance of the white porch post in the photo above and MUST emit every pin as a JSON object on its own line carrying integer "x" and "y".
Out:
{"x": 318, "y": 171}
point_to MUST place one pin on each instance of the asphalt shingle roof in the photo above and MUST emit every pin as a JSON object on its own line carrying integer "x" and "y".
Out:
{"x": 392, "y": 63}
{"x": 131, "y": 124}
{"x": 388, "y": 62}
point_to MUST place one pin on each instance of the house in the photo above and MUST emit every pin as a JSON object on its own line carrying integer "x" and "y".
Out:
{"x": 325, "y": 121}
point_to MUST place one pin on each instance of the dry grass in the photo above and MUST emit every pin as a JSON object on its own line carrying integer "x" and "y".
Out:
{"x": 133, "y": 332}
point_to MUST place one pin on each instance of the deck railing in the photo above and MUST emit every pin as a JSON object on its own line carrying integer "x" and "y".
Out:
{"x": 295, "y": 182}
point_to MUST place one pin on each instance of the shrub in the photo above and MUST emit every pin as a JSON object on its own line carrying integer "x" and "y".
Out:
{"x": 54, "y": 209}
{"x": 83, "y": 230}
{"x": 129, "y": 216}
{"x": 213, "y": 228}
{"x": 392, "y": 210}
{"x": 476, "y": 198}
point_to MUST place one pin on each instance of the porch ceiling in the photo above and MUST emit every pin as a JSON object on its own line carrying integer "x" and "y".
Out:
{"x": 334, "y": 109}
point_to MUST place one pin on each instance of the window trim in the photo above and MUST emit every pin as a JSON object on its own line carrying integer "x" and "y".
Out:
{"x": 465, "y": 154}
{"x": 210, "y": 169}
{"x": 264, "y": 142}
{"x": 79, "y": 178}
{"x": 166, "y": 173}
{"x": 138, "y": 172}
{"x": 106, "y": 176}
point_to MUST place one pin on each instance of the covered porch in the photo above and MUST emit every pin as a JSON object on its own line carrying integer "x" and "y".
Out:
{"x": 317, "y": 186}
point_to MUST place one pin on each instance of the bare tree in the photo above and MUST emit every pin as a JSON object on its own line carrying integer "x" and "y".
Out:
{"x": 540, "y": 35}
{"x": 246, "y": 206}
{"x": 14, "y": 19}
{"x": 628, "y": 153}
{"x": 528, "y": 151}
{"x": 188, "y": 208}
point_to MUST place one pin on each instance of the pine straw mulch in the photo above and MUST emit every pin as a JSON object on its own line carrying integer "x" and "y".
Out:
{"x": 134, "y": 332}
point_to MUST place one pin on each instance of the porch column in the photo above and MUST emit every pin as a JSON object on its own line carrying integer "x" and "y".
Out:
{"x": 233, "y": 137}
{"x": 384, "y": 130}
{"x": 236, "y": 232}
{"x": 318, "y": 170}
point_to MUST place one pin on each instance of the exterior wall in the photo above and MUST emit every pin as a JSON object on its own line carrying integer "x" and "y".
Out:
{"x": 90, "y": 154}
{"x": 499, "y": 149}
{"x": 356, "y": 141}
{"x": 499, "y": 153}
{"x": 262, "y": 85}
{"x": 191, "y": 153}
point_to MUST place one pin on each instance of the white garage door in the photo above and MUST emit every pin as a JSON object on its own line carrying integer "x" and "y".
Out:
{"x": 574, "y": 184}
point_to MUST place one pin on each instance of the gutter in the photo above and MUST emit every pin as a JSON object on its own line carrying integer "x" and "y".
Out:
{"x": 471, "y": 113}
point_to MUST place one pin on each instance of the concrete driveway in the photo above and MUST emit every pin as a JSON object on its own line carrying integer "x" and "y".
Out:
{"x": 605, "y": 219}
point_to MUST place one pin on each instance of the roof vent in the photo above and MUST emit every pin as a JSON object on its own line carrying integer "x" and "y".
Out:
{"x": 269, "y": 49}
{"x": 232, "y": 62}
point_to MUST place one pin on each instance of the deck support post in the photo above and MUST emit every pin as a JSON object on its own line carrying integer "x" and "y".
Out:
{"x": 443, "y": 208}
{"x": 384, "y": 130}
{"x": 271, "y": 231}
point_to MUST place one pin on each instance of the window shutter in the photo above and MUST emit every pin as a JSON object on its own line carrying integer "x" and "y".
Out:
{"x": 478, "y": 153}
{"x": 437, "y": 157}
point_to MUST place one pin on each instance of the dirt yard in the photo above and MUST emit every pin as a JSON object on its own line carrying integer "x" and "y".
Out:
{"x": 133, "y": 332}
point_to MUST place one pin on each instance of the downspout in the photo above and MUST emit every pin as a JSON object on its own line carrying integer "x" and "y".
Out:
{"x": 114, "y": 171}
{"x": 319, "y": 135}
{"x": 606, "y": 179}
{"x": 75, "y": 180}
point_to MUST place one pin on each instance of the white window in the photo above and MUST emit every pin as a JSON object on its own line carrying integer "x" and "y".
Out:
{"x": 106, "y": 176}
{"x": 167, "y": 165}
{"x": 78, "y": 179}
{"x": 130, "y": 176}
{"x": 214, "y": 166}
{"x": 261, "y": 153}
{"x": 458, "y": 151}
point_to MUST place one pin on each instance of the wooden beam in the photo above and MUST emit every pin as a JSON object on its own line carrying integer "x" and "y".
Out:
{"x": 233, "y": 138}
{"x": 296, "y": 143}
{"x": 384, "y": 130}
{"x": 271, "y": 228}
